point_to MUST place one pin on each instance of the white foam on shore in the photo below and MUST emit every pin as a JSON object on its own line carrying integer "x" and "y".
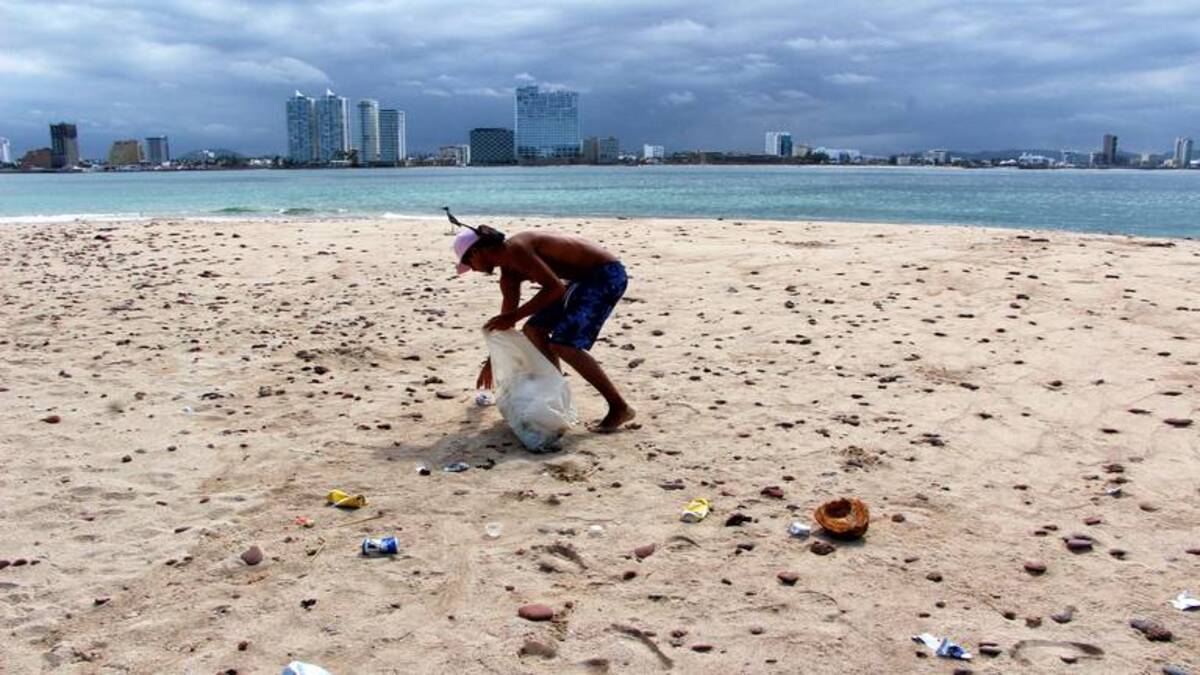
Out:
{"x": 71, "y": 218}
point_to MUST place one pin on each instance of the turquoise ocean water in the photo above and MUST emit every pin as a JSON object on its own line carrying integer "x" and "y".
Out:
{"x": 1159, "y": 203}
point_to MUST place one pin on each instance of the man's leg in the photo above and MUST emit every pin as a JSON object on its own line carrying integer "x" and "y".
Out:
{"x": 619, "y": 411}
{"x": 540, "y": 337}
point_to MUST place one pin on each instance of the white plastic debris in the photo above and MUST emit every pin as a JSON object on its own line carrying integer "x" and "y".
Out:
{"x": 484, "y": 399}
{"x": 532, "y": 395}
{"x": 799, "y": 530}
{"x": 943, "y": 647}
{"x": 1184, "y": 602}
{"x": 302, "y": 668}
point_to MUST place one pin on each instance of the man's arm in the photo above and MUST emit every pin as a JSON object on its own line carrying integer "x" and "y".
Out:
{"x": 510, "y": 292}
{"x": 535, "y": 269}
{"x": 529, "y": 265}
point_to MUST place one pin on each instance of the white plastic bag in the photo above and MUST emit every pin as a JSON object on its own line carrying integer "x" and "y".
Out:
{"x": 531, "y": 394}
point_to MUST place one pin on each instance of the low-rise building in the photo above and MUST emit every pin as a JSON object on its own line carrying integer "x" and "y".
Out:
{"x": 601, "y": 150}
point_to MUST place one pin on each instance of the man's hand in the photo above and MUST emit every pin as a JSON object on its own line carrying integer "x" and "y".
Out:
{"x": 503, "y": 321}
{"x": 484, "y": 381}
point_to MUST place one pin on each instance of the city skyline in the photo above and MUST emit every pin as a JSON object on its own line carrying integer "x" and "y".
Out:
{"x": 929, "y": 73}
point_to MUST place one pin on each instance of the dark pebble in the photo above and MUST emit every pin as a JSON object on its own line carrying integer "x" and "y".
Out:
{"x": 1033, "y": 621}
{"x": 252, "y": 556}
{"x": 703, "y": 648}
{"x": 935, "y": 577}
{"x": 243, "y": 645}
{"x": 535, "y": 612}
{"x": 788, "y": 578}
{"x": 629, "y": 574}
{"x": 898, "y": 518}
{"x": 1079, "y": 545}
{"x": 644, "y": 551}
{"x": 52, "y": 419}
{"x": 1064, "y": 616}
{"x": 822, "y": 547}
{"x": 1035, "y": 568}
{"x": 1153, "y": 630}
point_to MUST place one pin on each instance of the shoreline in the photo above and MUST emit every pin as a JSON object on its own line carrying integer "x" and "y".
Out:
{"x": 389, "y": 216}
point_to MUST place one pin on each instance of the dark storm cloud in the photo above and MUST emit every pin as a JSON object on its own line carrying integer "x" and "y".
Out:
{"x": 881, "y": 76}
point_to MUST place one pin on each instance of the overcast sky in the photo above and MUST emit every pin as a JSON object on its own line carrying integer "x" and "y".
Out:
{"x": 878, "y": 75}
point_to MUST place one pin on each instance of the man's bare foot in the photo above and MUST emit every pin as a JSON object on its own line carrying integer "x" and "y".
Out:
{"x": 614, "y": 419}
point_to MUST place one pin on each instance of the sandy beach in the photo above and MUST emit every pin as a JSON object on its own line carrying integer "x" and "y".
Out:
{"x": 174, "y": 392}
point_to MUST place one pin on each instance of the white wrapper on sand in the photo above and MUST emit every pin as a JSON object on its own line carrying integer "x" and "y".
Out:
{"x": 531, "y": 394}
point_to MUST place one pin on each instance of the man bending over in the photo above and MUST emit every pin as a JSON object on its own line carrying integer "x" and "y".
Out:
{"x": 580, "y": 284}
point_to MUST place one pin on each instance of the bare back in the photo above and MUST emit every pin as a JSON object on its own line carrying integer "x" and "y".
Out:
{"x": 570, "y": 257}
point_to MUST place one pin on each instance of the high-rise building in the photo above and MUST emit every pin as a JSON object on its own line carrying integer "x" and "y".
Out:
{"x": 601, "y": 150}
{"x": 779, "y": 143}
{"x": 1109, "y": 150}
{"x": 391, "y": 137}
{"x": 5, "y": 151}
{"x": 158, "y": 150}
{"x": 368, "y": 135}
{"x": 125, "y": 153}
{"x": 302, "y": 129}
{"x": 653, "y": 152}
{"x": 64, "y": 145}
{"x": 546, "y": 123}
{"x": 1183, "y": 152}
{"x": 333, "y": 127}
{"x": 492, "y": 146}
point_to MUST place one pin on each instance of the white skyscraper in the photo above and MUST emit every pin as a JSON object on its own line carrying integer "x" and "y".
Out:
{"x": 653, "y": 152}
{"x": 779, "y": 143}
{"x": 5, "y": 151}
{"x": 392, "y": 149}
{"x": 368, "y": 125}
{"x": 302, "y": 129}
{"x": 333, "y": 127}
{"x": 1183, "y": 152}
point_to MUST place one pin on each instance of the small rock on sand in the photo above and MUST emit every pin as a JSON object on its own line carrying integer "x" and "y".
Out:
{"x": 535, "y": 612}
{"x": 1153, "y": 630}
{"x": 252, "y": 556}
{"x": 644, "y": 551}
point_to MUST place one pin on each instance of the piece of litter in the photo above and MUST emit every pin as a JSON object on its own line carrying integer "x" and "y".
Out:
{"x": 484, "y": 399}
{"x": 345, "y": 500}
{"x": 695, "y": 511}
{"x": 457, "y": 467}
{"x": 302, "y": 668}
{"x": 799, "y": 530}
{"x": 943, "y": 647}
{"x": 1184, "y": 602}
{"x": 304, "y": 521}
{"x": 1114, "y": 491}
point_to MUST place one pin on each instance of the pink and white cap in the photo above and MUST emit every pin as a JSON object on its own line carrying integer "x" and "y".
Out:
{"x": 463, "y": 242}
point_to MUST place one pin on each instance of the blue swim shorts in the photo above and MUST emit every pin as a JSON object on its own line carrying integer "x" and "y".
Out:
{"x": 576, "y": 318}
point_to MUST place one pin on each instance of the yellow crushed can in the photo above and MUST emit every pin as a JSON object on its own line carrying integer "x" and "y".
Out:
{"x": 695, "y": 511}
{"x": 346, "y": 500}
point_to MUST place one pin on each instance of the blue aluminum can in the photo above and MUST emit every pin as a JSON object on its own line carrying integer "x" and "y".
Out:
{"x": 378, "y": 546}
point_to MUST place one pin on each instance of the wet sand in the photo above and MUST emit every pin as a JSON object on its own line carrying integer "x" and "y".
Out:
{"x": 175, "y": 392}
